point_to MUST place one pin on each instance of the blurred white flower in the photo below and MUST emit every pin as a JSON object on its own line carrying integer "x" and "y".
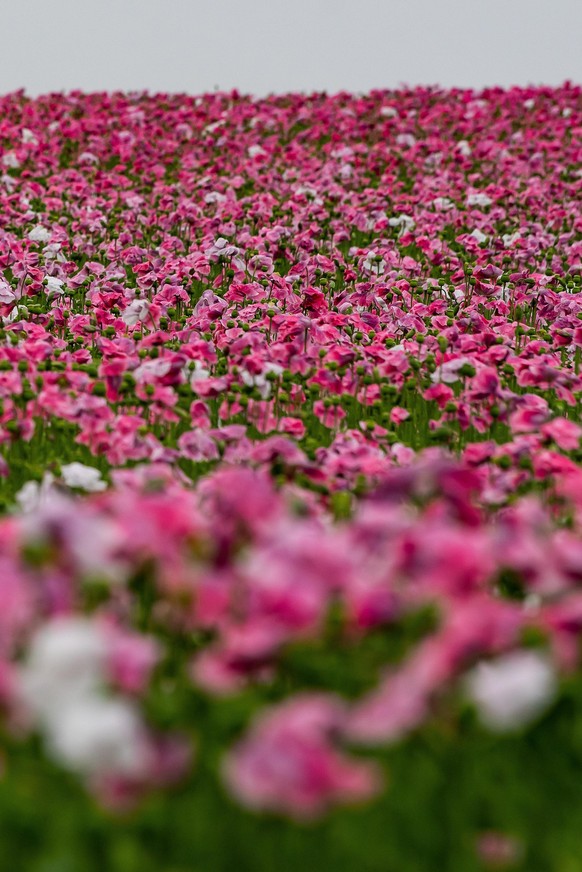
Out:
{"x": 443, "y": 204}
{"x": 66, "y": 662}
{"x": 88, "y": 157}
{"x": 210, "y": 128}
{"x": 404, "y": 221}
{"x": 33, "y": 494}
{"x": 510, "y": 238}
{"x": 200, "y": 373}
{"x": 39, "y": 234}
{"x": 28, "y": 136}
{"x": 94, "y": 543}
{"x": 214, "y": 197}
{"x": 8, "y": 182}
{"x": 10, "y": 160}
{"x": 406, "y": 139}
{"x": 99, "y": 736}
{"x": 479, "y": 200}
{"x": 84, "y": 477}
{"x": 513, "y": 690}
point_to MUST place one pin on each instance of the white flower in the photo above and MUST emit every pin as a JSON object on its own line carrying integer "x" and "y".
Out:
{"x": 184, "y": 131}
{"x": 345, "y": 152}
{"x": 39, "y": 234}
{"x": 16, "y": 313}
{"x": 255, "y": 151}
{"x": 84, "y": 477}
{"x": 448, "y": 372}
{"x": 66, "y": 662}
{"x": 10, "y": 160}
{"x": 372, "y": 265}
{"x": 28, "y": 497}
{"x": 54, "y": 286}
{"x": 513, "y": 690}
{"x": 136, "y": 311}
{"x": 210, "y": 128}
{"x": 98, "y": 736}
{"x": 463, "y": 147}
{"x": 476, "y": 234}
{"x": 62, "y": 683}
{"x": 152, "y": 370}
{"x": 406, "y": 139}
{"x": 404, "y": 221}
{"x": 7, "y": 295}
{"x": 87, "y": 157}
{"x": 532, "y": 602}
{"x": 260, "y": 381}
{"x": 305, "y": 190}
{"x": 8, "y": 181}
{"x": 28, "y": 136}
{"x": 510, "y": 238}
{"x": 478, "y": 200}
{"x": 93, "y": 544}
{"x": 214, "y": 197}
{"x": 52, "y": 251}
{"x": 32, "y": 494}
{"x": 222, "y": 248}
{"x": 434, "y": 159}
{"x": 200, "y": 373}
{"x": 443, "y": 204}
{"x": 388, "y": 112}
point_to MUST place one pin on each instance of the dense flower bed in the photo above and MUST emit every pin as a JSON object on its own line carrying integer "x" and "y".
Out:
{"x": 292, "y": 498}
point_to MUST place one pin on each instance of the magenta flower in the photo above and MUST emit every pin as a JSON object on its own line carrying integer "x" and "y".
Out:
{"x": 288, "y": 762}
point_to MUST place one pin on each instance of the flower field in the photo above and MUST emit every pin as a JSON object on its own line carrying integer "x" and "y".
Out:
{"x": 291, "y": 482}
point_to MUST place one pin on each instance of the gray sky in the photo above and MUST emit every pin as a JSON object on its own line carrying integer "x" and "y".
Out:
{"x": 263, "y": 46}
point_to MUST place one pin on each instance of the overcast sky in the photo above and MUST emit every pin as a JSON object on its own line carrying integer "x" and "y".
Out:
{"x": 263, "y": 46}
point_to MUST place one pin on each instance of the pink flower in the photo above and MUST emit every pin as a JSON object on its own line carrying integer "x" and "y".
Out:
{"x": 18, "y": 603}
{"x": 566, "y": 434}
{"x": 530, "y": 416}
{"x": 131, "y": 659}
{"x": 136, "y": 312}
{"x": 293, "y": 426}
{"x": 499, "y": 850}
{"x": 198, "y": 446}
{"x": 7, "y": 295}
{"x": 398, "y": 415}
{"x": 288, "y": 762}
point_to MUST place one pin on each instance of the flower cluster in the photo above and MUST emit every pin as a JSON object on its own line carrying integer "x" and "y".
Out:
{"x": 218, "y": 584}
{"x": 282, "y": 375}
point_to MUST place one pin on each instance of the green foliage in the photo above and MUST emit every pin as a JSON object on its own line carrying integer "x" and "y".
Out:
{"x": 446, "y": 786}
